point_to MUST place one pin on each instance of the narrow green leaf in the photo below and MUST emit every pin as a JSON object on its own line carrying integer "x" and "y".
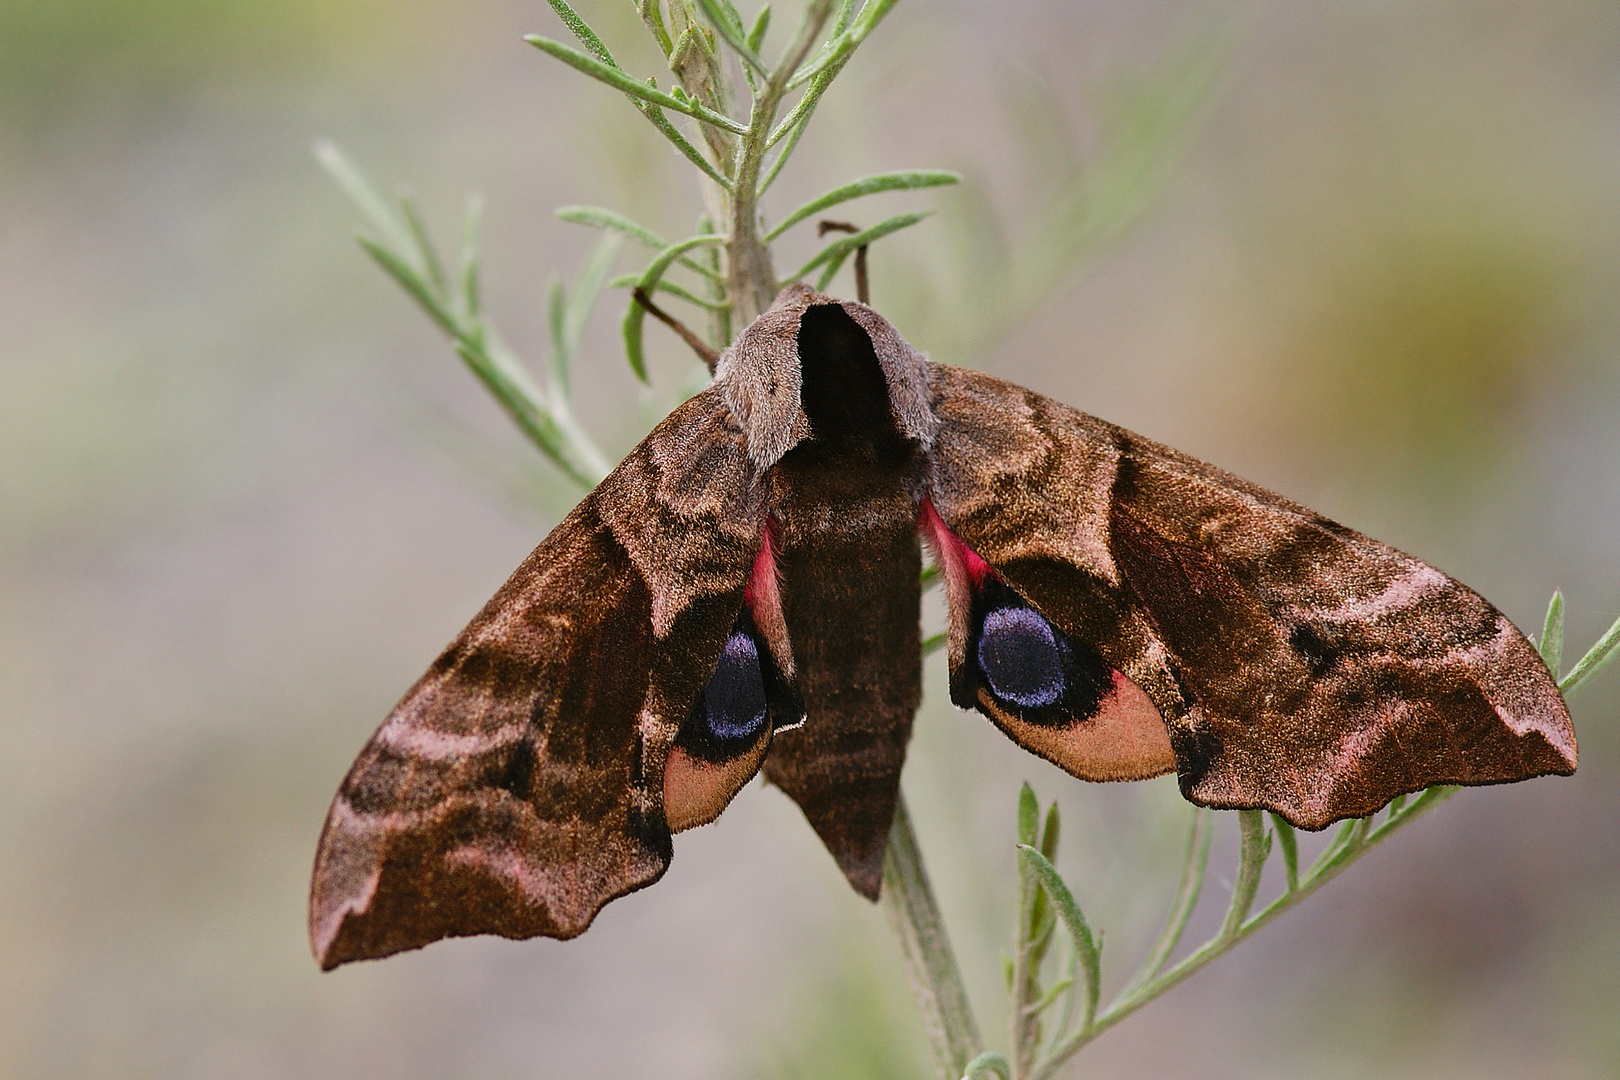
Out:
{"x": 1065, "y": 1019}
{"x": 547, "y": 426}
{"x": 597, "y": 217}
{"x": 932, "y": 644}
{"x": 1194, "y": 866}
{"x": 1346, "y": 843}
{"x": 630, "y": 281}
{"x": 619, "y": 80}
{"x": 1049, "y": 835}
{"x": 1403, "y": 811}
{"x": 1074, "y": 920}
{"x": 684, "y": 145}
{"x": 899, "y": 180}
{"x": 1052, "y": 995}
{"x": 428, "y": 257}
{"x": 1029, "y": 815}
{"x": 1552, "y": 634}
{"x": 1007, "y": 970}
{"x": 1341, "y": 837}
{"x": 1290, "y": 850}
{"x": 581, "y": 30}
{"x": 1252, "y": 854}
{"x": 1595, "y": 658}
{"x": 732, "y": 13}
{"x": 652, "y": 13}
{"x": 545, "y": 422}
{"x": 846, "y": 9}
{"x": 1040, "y": 935}
{"x": 839, "y": 250}
{"x": 988, "y": 1062}
{"x": 800, "y": 111}
{"x": 840, "y": 47}
{"x": 394, "y": 233}
{"x": 732, "y": 33}
{"x": 929, "y": 575}
{"x": 556, "y": 320}
{"x": 636, "y": 316}
{"x": 756, "y": 33}
{"x": 411, "y": 281}
{"x": 588, "y": 286}
{"x": 794, "y": 130}
{"x": 471, "y": 227}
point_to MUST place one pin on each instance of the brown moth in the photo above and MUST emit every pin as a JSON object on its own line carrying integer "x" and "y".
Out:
{"x": 742, "y": 593}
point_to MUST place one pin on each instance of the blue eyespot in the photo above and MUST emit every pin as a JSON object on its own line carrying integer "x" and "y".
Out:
{"x": 733, "y": 704}
{"x": 1021, "y": 657}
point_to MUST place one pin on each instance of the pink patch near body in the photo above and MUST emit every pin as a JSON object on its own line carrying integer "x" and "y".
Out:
{"x": 958, "y": 561}
{"x": 964, "y": 573}
{"x": 763, "y": 596}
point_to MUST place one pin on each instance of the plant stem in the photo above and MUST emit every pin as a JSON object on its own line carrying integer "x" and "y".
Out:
{"x": 750, "y": 278}
{"x": 1252, "y": 860}
{"x": 908, "y": 899}
{"x": 1024, "y": 1033}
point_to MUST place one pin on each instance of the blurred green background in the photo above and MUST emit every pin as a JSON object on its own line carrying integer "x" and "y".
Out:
{"x": 246, "y": 495}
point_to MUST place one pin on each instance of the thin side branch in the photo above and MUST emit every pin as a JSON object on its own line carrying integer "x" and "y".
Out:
{"x": 863, "y": 289}
{"x": 699, "y": 346}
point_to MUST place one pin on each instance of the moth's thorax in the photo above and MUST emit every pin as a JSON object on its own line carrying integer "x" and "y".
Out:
{"x": 834, "y": 371}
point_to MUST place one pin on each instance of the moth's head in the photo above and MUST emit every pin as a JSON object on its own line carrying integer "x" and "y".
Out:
{"x": 811, "y": 364}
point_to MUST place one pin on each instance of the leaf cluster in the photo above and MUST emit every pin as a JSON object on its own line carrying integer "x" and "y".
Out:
{"x": 740, "y": 158}
{"x": 398, "y": 240}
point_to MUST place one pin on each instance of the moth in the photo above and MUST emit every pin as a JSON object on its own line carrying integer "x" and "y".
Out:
{"x": 742, "y": 595}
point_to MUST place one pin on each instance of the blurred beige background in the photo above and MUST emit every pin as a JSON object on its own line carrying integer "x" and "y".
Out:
{"x": 247, "y": 494}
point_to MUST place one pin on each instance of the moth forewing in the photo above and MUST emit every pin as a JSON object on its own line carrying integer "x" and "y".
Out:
{"x": 518, "y": 786}
{"x": 1299, "y": 666}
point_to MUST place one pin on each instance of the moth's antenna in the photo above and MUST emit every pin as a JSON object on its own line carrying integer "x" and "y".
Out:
{"x": 699, "y": 346}
{"x": 863, "y": 291}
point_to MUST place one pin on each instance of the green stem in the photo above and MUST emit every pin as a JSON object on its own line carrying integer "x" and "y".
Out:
{"x": 1024, "y": 1023}
{"x": 908, "y": 899}
{"x": 1251, "y": 861}
{"x": 750, "y": 278}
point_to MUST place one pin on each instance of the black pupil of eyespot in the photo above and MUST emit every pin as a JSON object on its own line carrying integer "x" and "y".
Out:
{"x": 1020, "y": 657}
{"x": 734, "y": 701}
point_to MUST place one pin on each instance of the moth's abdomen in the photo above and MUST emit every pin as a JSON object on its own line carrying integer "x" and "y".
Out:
{"x": 844, "y": 502}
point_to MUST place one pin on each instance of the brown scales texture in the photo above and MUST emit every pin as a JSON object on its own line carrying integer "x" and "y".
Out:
{"x": 1296, "y": 665}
